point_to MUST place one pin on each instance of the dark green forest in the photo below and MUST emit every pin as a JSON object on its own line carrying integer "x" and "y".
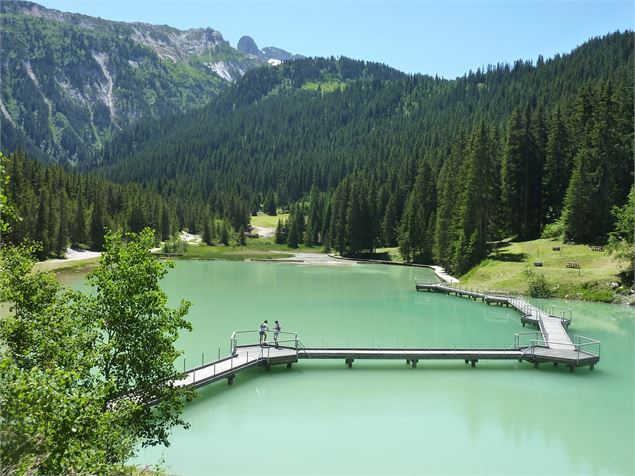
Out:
{"x": 364, "y": 156}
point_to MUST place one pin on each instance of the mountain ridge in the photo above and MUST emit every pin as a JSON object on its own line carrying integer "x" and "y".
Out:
{"x": 71, "y": 80}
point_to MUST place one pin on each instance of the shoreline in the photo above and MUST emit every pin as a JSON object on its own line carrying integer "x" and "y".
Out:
{"x": 74, "y": 259}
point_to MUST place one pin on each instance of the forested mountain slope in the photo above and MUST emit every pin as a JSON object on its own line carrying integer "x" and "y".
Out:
{"x": 372, "y": 157}
{"x": 314, "y": 121}
{"x": 70, "y": 81}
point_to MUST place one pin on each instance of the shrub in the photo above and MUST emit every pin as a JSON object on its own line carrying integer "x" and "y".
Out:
{"x": 539, "y": 287}
{"x": 553, "y": 230}
{"x": 175, "y": 246}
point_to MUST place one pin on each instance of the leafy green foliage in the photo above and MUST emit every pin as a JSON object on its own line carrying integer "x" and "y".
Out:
{"x": 538, "y": 285}
{"x": 79, "y": 387}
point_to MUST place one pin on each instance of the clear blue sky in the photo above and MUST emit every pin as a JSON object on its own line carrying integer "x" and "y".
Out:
{"x": 440, "y": 37}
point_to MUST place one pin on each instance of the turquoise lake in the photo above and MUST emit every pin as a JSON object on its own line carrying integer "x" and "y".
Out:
{"x": 383, "y": 417}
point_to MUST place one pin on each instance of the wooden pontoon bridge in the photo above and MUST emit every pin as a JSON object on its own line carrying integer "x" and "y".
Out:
{"x": 551, "y": 344}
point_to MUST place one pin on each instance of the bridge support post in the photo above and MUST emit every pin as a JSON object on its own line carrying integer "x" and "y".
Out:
{"x": 591, "y": 367}
{"x": 349, "y": 362}
{"x": 289, "y": 364}
{"x": 571, "y": 368}
{"x": 230, "y": 379}
{"x": 535, "y": 365}
{"x": 555, "y": 364}
{"x": 267, "y": 366}
{"x": 467, "y": 361}
{"x": 414, "y": 363}
{"x": 474, "y": 363}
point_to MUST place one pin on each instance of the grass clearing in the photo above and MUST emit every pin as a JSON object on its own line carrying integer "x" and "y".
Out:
{"x": 505, "y": 269}
{"x": 259, "y": 248}
{"x": 268, "y": 221}
{"x": 392, "y": 254}
{"x": 230, "y": 253}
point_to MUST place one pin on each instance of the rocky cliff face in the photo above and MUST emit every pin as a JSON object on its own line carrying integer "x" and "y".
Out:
{"x": 70, "y": 81}
{"x": 272, "y": 55}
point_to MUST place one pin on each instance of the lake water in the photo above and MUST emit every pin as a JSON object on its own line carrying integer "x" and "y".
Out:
{"x": 383, "y": 417}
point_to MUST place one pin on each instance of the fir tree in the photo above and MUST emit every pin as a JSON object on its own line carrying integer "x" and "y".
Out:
{"x": 62, "y": 231}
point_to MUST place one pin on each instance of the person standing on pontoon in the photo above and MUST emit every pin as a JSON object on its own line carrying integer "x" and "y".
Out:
{"x": 264, "y": 327}
{"x": 276, "y": 332}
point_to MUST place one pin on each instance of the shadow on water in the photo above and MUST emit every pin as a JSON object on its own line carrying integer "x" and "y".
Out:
{"x": 334, "y": 369}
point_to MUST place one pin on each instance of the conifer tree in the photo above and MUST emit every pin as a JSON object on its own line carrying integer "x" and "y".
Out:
{"x": 476, "y": 214}
{"x": 78, "y": 233}
{"x": 270, "y": 207}
{"x": 166, "y": 223}
{"x": 62, "y": 231}
{"x": 98, "y": 222}
{"x": 390, "y": 220}
{"x": 416, "y": 237}
{"x": 42, "y": 235}
{"x": 448, "y": 188}
{"x": 282, "y": 232}
{"x": 557, "y": 168}
{"x": 207, "y": 232}
{"x": 588, "y": 202}
{"x": 359, "y": 228}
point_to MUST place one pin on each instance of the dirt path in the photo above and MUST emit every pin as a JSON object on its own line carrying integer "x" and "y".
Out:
{"x": 72, "y": 256}
{"x": 264, "y": 232}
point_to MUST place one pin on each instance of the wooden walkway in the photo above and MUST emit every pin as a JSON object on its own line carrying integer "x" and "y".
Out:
{"x": 291, "y": 351}
{"x": 553, "y": 344}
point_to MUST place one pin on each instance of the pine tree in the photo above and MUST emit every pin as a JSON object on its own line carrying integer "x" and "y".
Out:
{"x": 78, "y": 233}
{"x": 448, "y": 189}
{"x": 207, "y": 232}
{"x": 241, "y": 237}
{"x": 588, "y": 202}
{"x": 337, "y": 232}
{"x": 557, "y": 168}
{"x": 225, "y": 234}
{"x": 42, "y": 235}
{"x": 166, "y": 223}
{"x": 389, "y": 223}
{"x": 62, "y": 232}
{"x": 98, "y": 222}
{"x": 358, "y": 218}
{"x": 293, "y": 240}
{"x": 476, "y": 213}
{"x": 520, "y": 178}
{"x": 270, "y": 207}
{"x": 281, "y": 233}
{"x": 416, "y": 237}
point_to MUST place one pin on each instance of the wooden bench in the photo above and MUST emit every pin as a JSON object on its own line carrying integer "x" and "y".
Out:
{"x": 573, "y": 265}
{"x": 597, "y": 248}
{"x": 555, "y": 248}
{"x": 538, "y": 264}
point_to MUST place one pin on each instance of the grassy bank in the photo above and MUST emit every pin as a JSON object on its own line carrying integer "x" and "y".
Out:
{"x": 60, "y": 265}
{"x": 260, "y": 248}
{"x": 507, "y": 268}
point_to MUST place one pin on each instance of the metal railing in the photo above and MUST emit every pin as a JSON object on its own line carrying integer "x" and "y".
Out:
{"x": 582, "y": 346}
{"x": 288, "y": 338}
{"x": 564, "y": 314}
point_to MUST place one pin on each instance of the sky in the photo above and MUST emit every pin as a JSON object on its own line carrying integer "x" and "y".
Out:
{"x": 446, "y": 38}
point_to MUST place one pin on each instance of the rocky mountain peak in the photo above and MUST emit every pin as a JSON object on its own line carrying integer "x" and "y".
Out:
{"x": 272, "y": 55}
{"x": 248, "y": 46}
